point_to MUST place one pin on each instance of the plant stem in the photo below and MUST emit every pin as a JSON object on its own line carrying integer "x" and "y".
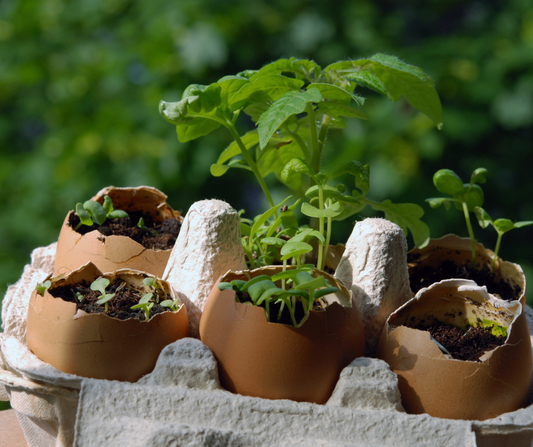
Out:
{"x": 470, "y": 232}
{"x": 251, "y": 162}
{"x": 320, "y": 261}
{"x": 496, "y": 250}
{"x": 315, "y": 150}
{"x": 326, "y": 119}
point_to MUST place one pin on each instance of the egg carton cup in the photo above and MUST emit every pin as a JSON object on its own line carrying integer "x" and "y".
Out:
{"x": 181, "y": 401}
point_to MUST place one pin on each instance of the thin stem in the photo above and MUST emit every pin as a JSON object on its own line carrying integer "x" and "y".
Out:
{"x": 470, "y": 232}
{"x": 320, "y": 261}
{"x": 326, "y": 119}
{"x": 328, "y": 237}
{"x": 251, "y": 162}
{"x": 497, "y": 249}
{"x": 315, "y": 150}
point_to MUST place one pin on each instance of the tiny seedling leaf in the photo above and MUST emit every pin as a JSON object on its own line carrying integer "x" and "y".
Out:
{"x": 96, "y": 211}
{"x": 448, "y": 182}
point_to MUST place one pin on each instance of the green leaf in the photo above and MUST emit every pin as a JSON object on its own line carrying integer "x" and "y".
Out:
{"x": 294, "y": 167}
{"x": 108, "y": 204}
{"x": 100, "y": 285}
{"x": 352, "y": 167}
{"x": 472, "y": 195}
{"x": 96, "y": 211}
{"x": 478, "y": 176}
{"x": 336, "y": 110}
{"x": 276, "y": 241}
{"x": 265, "y": 216}
{"x": 483, "y": 217}
{"x": 196, "y": 128}
{"x": 300, "y": 68}
{"x": 291, "y": 103}
{"x": 327, "y": 191}
{"x": 333, "y": 92}
{"x": 117, "y": 214}
{"x": 435, "y": 202}
{"x": 229, "y": 85}
{"x": 448, "y": 182}
{"x": 407, "y": 217}
{"x": 263, "y": 89}
{"x": 202, "y": 98}
{"x": 84, "y": 216}
{"x": 312, "y": 211}
{"x": 105, "y": 298}
{"x": 503, "y": 225}
{"x": 523, "y": 223}
{"x": 294, "y": 250}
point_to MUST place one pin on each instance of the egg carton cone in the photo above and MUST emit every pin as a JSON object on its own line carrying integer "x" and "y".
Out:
{"x": 181, "y": 401}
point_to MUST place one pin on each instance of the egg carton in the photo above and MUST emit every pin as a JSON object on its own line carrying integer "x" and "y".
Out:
{"x": 181, "y": 401}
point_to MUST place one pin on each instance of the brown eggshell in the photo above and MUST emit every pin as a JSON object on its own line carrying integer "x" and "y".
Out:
{"x": 116, "y": 252}
{"x": 432, "y": 383}
{"x": 459, "y": 250}
{"x": 96, "y": 345}
{"x": 277, "y": 361}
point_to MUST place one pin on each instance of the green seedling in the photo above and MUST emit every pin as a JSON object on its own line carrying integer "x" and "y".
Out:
{"x": 100, "y": 285}
{"x": 79, "y": 297}
{"x": 501, "y": 226}
{"x": 145, "y": 304}
{"x": 140, "y": 224}
{"x": 264, "y": 291}
{"x": 465, "y": 196}
{"x": 173, "y": 305}
{"x": 42, "y": 287}
{"x": 152, "y": 282}
{"x": 92, "y": 212}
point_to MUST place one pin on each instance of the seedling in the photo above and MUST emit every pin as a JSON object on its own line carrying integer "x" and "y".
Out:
{"x": 92, "y": 212}
{"x": 173, "y": 305}
{"x": 294, "y": 104}
{"x": 145, "y": 304}
{"x": 42, "y": 287}
{"x": 152, "y": 282}
{"x": 100, "y": 285}
{"x": 501, "y": 226}
{"x": 465, "y": 196}
{"x": 262, "y": 289}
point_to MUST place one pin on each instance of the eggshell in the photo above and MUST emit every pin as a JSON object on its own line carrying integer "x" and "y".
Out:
{"x": 277, "y": 361}
{"x": 116, "y": 252}
{"x": 431, "y": 382}
{"x": 459, "y": 250}
{"x": 97, "y": 345}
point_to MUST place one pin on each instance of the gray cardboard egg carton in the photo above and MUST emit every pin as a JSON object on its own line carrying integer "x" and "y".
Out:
{"x": 181, "y": 402}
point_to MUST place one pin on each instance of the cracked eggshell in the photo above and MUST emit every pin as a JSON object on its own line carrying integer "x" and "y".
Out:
{"x": 116, "y": 252}
{"x": 277, "y": 361}
{"x": 431, "y": 382}
{"x": 459, "y": 250}
{"x": 96, "y": 345}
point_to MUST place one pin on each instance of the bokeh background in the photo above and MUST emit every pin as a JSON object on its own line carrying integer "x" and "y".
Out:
{"x": 80, "y": 83}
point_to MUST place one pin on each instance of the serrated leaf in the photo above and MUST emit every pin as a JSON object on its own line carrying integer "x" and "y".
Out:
{"x": 229, "y": 85}
{"x": 353, "y": 167}
{"x": 349, "y": 209}
{"x": 197, "y": 127}
{"x": 269, "y": 87}
{"x": 294, "y": 167}
{"x": 312, "y": 211}
{"x": 333, "y": 92}
{"x": 202, "y": 98}
{"x": 289, "y": 104}
{"x": 448, "y": 182}
{"x": 301, "y": 68}
{"x": 407, "y": 217}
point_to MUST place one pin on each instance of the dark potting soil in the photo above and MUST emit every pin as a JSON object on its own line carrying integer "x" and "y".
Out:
{"x": 154, "y": 235}
{"x": 285, "y": 317}
{"x": 469, "y": 345}
{"x": 118, "y": 307}
{"x": 425, "y": 276}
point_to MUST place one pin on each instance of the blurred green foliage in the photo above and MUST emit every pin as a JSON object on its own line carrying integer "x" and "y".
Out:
{"x": 80, "y": 83}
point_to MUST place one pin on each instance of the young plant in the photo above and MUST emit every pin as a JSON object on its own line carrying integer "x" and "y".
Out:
{"x": 92, "y": 212}
{"x": 42, "y": 287}
{"x": 294, "y": 104}
{"x": 173, "y": 305}
{"x": 465, "y": 196}
{"x": 152, "y": 282}
{"x": 145, "y": 304}
{"x": 264, "y": 291}
{"x": 100, "y": 285}
{"x": 501, "y": 226}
